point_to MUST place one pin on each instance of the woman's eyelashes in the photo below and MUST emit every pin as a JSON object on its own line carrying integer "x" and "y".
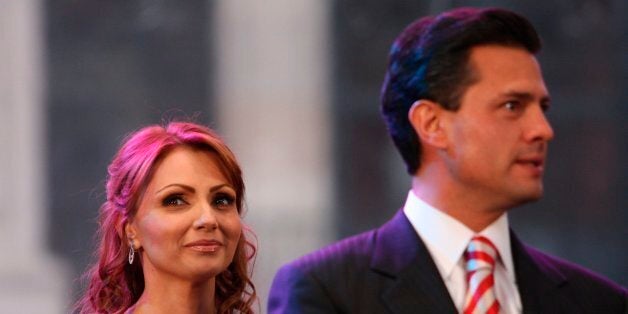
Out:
{"x": 220, "y": 200}
{"x": 174, "y": 200}
{"x": 223, "y": 200}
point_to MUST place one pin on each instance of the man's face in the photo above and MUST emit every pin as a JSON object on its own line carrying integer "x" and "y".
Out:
{"x": 498, "y": 137}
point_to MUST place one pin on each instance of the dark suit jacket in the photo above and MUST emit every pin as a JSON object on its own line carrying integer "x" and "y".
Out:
{"x": 389, "y": 270}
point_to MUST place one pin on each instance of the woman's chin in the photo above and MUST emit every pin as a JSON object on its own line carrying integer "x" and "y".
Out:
{"x": 202, "y": 274}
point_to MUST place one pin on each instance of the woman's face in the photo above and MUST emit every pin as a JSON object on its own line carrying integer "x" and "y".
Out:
{"x": 187, "y": 224}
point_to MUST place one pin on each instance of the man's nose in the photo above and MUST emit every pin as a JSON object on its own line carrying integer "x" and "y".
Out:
{"x": 540, "y": 128}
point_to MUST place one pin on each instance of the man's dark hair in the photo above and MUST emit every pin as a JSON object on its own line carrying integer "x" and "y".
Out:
{"x": 429, "y": 60}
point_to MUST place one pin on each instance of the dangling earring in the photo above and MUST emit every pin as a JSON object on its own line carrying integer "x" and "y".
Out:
{"x": 131, "y": 254}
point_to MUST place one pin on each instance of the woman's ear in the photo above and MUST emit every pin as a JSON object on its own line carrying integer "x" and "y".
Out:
{"x": 131, "y": 234}
{"x": 426, "y": 117}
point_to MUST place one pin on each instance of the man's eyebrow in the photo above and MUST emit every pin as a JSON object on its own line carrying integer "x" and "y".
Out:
{"x": 546, "y": 99}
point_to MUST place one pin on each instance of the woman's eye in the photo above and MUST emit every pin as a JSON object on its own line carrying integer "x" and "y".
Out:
{"x": 174, "y": 200}
{"x": 223, "y": 200}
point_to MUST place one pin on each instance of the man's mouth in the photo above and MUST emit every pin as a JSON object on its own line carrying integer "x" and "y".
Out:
{"x": 534, "y": 163}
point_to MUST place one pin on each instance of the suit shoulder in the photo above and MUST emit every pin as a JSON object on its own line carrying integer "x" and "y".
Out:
{"x": 583, "y": 278}
{"x": 355, "y": 251}
{"x": 316, "y": 282}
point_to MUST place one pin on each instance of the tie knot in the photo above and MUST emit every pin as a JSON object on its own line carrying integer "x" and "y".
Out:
{"x": 480, "y": 254}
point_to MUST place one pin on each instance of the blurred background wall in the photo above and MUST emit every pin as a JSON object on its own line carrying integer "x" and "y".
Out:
{"x": 293, "y": 86}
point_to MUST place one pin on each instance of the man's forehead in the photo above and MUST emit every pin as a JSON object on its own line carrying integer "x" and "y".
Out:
{"x": 494, "y": 54}
{"x": 503, "y": 63}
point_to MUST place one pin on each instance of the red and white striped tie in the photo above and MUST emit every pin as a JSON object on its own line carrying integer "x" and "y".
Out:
{"x": 480, "y": 258}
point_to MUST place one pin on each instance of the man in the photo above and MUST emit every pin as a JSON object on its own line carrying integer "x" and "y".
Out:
{"x": 464, "y": 101}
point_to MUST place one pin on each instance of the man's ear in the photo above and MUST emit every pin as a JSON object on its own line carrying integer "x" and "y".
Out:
{"x": 427, "y": 119}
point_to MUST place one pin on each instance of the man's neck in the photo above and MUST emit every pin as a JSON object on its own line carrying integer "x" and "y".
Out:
{"x": 471, "y": 209}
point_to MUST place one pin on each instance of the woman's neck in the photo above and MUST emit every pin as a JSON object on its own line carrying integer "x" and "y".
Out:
{"x": 168, "y": 295}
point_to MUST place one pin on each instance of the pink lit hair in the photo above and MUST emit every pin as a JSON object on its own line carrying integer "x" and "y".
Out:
{"x": 114, "y": 285}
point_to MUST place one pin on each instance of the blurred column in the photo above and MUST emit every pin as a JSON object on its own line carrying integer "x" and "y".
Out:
{"x": 31, "y": 280}
{"x": 272, "y": 100}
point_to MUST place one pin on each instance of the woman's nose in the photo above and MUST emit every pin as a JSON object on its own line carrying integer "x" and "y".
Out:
{"x": 206, "y": 218}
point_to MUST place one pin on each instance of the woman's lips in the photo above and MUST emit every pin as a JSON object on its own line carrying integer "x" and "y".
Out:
{"x": 205, "y": 245}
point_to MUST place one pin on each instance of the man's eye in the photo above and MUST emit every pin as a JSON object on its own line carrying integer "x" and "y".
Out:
{"x": 512, "y": 105}
{"x": 174, "y": 200}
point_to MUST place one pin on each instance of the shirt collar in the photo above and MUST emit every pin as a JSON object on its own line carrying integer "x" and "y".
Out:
{"x": 447, "y": 238}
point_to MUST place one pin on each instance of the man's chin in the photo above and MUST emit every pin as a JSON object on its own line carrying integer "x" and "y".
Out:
{"x": 528, "y": 196}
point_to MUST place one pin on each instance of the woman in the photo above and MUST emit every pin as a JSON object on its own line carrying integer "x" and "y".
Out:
{"x": 171, "y": 238}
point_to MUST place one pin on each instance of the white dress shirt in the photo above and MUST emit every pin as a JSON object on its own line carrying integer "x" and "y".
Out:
{"x": 446, "y": 239}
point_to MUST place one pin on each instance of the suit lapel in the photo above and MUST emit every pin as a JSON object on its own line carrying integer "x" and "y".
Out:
{"x": 537, "y": 280}
{"x": 415, "y": 285}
